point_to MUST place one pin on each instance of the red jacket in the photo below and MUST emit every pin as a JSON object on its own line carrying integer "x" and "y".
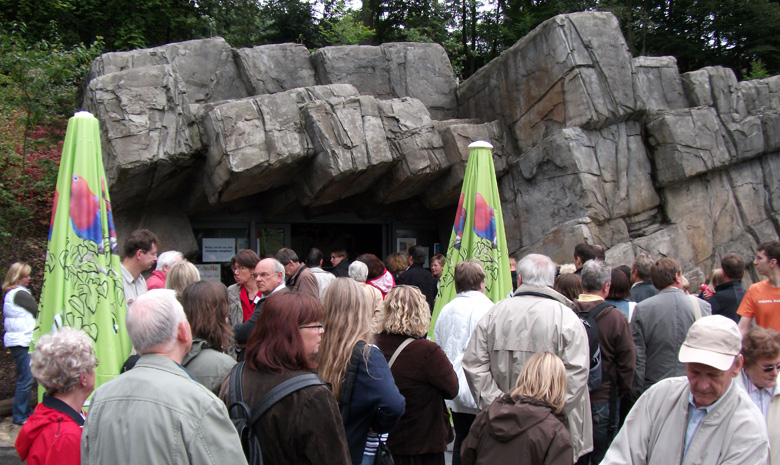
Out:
{"x": 52, "y": 435}
{"x": 156, "y": 280}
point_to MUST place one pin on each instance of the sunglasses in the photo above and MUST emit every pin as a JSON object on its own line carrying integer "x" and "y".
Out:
{"x": 770, "y": 369}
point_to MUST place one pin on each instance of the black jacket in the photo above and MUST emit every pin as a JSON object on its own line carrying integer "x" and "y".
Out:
{"x": 341, "y": 270}
{"x": 726, "y": 299}
{"x": 418, "y": 276}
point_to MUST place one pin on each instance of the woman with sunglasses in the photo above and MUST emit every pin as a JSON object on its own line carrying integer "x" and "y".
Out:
{"x": 761, "y": 352}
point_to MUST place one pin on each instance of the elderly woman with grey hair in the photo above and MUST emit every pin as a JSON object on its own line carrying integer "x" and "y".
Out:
{"x": 64, "y": 363}
{"x": 359, "y": 272}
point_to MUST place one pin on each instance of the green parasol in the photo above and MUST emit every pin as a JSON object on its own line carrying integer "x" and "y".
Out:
{"x": 82, "y": 285}
{"x": 478, "y": 231}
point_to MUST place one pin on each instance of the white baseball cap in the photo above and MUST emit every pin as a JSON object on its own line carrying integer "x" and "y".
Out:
{"x": 712, "y": 340}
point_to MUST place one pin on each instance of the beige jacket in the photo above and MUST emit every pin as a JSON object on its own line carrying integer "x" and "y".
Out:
{"x": 772, "y": 421}
{"x": 515, "y": 329}
{"x": 654, "y": 431}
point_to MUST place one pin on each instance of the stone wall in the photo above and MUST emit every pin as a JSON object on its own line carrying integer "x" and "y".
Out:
{"x": 591, "y": 144}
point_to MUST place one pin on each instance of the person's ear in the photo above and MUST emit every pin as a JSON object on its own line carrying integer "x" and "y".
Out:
{"x": 736, "y": 369}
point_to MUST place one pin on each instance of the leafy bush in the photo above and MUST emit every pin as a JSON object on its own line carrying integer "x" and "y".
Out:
{"x": 38, "y": 85}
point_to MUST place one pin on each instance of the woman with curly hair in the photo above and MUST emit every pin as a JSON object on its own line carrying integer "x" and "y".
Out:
{"x": 759, "y": 375}
{"x": 424, "y": 376}
{"x": 373, "y": 404}
{"x": 64, "y": 363}
{"x": 206, "y": 305}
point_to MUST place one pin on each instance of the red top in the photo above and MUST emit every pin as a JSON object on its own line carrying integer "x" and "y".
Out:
{"x": 247, "y": 306}
{"x": 52, "y": 435}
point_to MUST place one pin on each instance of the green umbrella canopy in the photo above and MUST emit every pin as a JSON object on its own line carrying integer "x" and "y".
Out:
{"x": 82, "y": 285}
{"x": 477, "y": 232}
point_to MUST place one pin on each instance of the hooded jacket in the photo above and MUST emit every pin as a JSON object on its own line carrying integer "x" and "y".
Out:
{"x": 207, "y": 365}
{"x": 515, "y": 329}
{"x": 52, "y": 435}
{"x": 518, "y": 431}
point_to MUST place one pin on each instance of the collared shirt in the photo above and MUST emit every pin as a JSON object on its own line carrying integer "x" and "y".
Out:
{"x": 134, "y": 287}
{"x": 589, "y": 298}
{"x": 696, "y": 415}
{"x": 760, "y": 396}
{"x": 260, "y": 297}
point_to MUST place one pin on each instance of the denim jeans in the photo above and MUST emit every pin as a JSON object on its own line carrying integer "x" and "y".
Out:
{"x": 602, "y": 437}
{"x": 24, "y": 381}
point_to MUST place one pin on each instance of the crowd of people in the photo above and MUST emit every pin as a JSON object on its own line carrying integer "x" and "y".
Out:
{"x": 583, "y": 363}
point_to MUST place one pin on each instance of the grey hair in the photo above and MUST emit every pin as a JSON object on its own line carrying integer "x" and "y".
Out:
{"x": 61, "y": 357}
{"x": 537, "y": 270}
{"x": 168, "y": 258}
{"x": 358, "y": 271}
{"x": 153, "y": 320}
{"x": 277, "y": 267}
{"x": 595, "y": 274}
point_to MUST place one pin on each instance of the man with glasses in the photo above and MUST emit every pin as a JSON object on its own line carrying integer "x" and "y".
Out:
{"x": 702, "y": 417}
{"x": 140, "y": 253}
{"x": 269, "y": 276}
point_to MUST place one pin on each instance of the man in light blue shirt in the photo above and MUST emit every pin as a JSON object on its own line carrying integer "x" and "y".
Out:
{"x": 698, "y": 418}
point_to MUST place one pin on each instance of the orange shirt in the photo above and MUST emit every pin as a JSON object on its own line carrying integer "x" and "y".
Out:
{"x": 762, "y": 302}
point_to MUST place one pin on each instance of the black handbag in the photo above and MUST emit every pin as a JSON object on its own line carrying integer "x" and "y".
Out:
{"x": 383, "y": 455}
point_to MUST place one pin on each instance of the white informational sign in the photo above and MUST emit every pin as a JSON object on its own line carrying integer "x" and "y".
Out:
{"x": 210, "y": 272}
{"x": 218, "y": 250}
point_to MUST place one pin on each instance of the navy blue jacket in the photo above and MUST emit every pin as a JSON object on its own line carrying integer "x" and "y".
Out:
{"x": 376, "y": 403}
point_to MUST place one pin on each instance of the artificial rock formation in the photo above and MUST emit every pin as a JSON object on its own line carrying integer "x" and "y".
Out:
{"x": 591, "y": 144}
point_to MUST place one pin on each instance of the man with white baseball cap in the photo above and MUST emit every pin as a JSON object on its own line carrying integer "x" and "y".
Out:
{"x": 698, "y": 418}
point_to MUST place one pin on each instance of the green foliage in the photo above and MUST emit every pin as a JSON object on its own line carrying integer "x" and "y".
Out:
{"x": 38, "y": 84}
{"x": 345, "y": 28}
{"x": 757, "y": 70}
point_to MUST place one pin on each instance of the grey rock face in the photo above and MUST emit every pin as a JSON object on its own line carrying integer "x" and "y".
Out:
{"x": 146, "y": 130}
{"x": 205, "y": 67}
{"x": 393, "y": 70}
{"x": 573, "y": 70}
{"x": 268, "y": 69}
{"x": 590, "y": 144}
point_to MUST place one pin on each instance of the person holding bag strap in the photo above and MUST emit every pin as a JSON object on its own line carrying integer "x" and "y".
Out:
{"x": 303, "y": 426}
{"x": 368, "y": 398}
{"x": 424, "y": 376}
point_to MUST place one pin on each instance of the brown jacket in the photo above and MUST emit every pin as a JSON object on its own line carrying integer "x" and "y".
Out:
{"x": 523, "y": 431}
{"x": 304, "y": 427}
{"x": 424, "y": 377}
{"x": 617, "y": 350}
{"x": 304, "y": 282}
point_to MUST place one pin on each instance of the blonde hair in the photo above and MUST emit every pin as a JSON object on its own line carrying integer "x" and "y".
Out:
{"x": 717, "y": 277}
{"x": 16, "y": 273}
{"x": 543, "y": 377}
{"x": 181, "y": 275}
{"x": 347, "y": 321}
{"x": 406, "y": 312}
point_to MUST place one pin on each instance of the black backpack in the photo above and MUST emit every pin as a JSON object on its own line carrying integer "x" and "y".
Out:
{"x": 243, "y": 419}
{"x": 588, "y": 319}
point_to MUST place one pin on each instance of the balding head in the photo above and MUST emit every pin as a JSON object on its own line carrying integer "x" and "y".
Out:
{"x": 536, "y": 270}
{"x": 153, "y": 322}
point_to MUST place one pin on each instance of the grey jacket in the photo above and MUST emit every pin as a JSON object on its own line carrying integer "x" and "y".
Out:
{"x": 659, "y": 326}
{"x": 733, "y": 433}
{"x": 207, "y": 365}
{"x": 157, "y": 414}
{"x": 515, "y": 329}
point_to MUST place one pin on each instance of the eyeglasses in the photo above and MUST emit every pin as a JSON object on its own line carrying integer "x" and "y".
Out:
{"x": 153, "y": 254}
{"x": 239, "y": 269}
{"x": 770, "y": 369}
{"x": 318, "y": 327}
{"x": 261, "y": 275}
